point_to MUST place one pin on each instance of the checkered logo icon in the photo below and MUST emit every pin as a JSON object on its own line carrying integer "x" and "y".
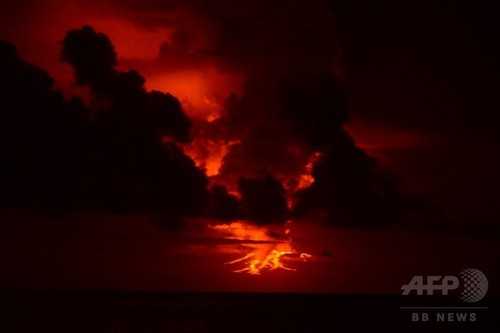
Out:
{"x": 474, "y": 285}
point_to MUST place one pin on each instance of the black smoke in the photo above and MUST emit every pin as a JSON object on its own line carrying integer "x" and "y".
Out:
{"x": 349, "y": 189}
{"x": 293, "y": 103}
{"x": 119, "y": 153}
{"x": 224, "y": 205}
{"x": 41, "y": 135}
{"x": 121, "y": 147}
{"x": 133, "y": 124}
{"x": 120, "y": 97}
{"x": 263, "y": 199}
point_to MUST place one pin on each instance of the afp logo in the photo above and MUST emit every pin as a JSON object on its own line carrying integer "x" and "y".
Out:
{"x": 471, "y": 285}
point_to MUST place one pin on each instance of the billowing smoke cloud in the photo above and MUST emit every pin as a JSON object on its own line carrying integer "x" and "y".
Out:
{"x": 223, "y": 205}
{"x": 290, "y": 106}
{"x": 112, "y": 155}
{"x": 122, "y": 95}
{"x": 349, "y": 190}
{"x": 264, "y": 199}
{"x": 276, "y": 72}
{"x": 40, "y": 135}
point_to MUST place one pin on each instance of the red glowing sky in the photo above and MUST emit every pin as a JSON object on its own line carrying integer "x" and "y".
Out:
{"x": 447, "y": 167}
{"x": 422, "y": 158}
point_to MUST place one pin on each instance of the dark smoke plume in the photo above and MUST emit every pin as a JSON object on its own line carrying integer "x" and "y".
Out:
{"x": 113, "y": 155}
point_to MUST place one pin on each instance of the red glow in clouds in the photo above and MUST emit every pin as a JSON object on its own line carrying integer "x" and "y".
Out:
{"x": 184, "y": 65}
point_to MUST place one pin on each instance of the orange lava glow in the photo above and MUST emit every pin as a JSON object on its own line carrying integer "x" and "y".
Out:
{"x": 301, "y": 181}
{"x": 207, "y": 154}
{"x": 307, "y": 179}
{"x": 271, "y": 246}
{"x": 202, "y": 93}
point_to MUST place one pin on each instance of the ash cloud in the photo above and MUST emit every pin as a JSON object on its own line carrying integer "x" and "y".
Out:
{"x": 123, "y": 95}
{"x": 40, "y": 134}
{"x": 263, "y": 199}
{"x": 223, "y": 205}
{"x": 292, "y": 104}
{"x": 111, "y": 155}
{"x": 349, "y": 190}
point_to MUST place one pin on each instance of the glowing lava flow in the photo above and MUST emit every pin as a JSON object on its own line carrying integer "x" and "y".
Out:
{"x": 269, "y": 249}
{"x": 270, "y": 261}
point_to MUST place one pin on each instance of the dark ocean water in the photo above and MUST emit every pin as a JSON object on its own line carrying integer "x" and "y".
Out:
{"x": 48, "y": 311}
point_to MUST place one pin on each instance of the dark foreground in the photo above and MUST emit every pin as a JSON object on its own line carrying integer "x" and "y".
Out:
{"x": 239, "y": 312}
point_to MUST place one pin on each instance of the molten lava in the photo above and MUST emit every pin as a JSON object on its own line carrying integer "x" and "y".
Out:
{"x": 269, "y": 247}
{"x": 203, "y": 92}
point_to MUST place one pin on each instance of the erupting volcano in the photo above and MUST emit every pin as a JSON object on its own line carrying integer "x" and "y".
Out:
{"x": 254, "y": 136}
{"x": 238, "y": 121}
{"x": 248, "y": 165}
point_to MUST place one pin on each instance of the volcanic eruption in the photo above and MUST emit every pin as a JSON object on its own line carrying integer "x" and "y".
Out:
{"x": 254, "y": 139}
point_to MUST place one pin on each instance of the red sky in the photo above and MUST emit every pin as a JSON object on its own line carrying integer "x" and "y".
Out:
{"x": 399, "y": 115}
{"x": 427, "y": 160}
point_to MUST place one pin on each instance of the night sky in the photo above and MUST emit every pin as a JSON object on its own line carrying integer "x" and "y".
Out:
{"x": 147, "y": 144}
